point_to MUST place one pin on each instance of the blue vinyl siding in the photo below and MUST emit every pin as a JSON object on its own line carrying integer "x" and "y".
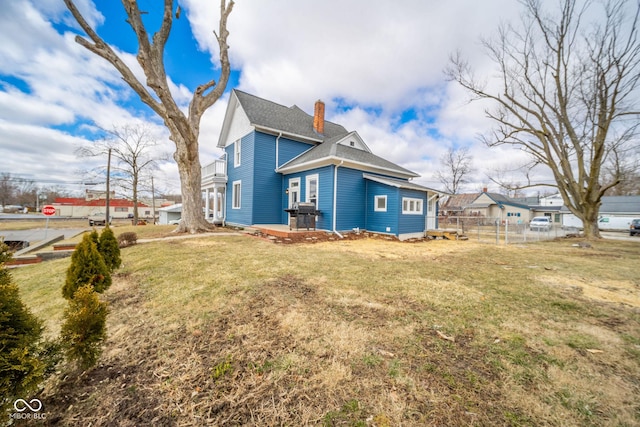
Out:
{"x": 263, "y": 193}
{"x": 379, "y": 221}
{"x": 351, "y": 199}
{"x": 245, "y": 173}
{"x": 325, "y": 195}
{"x": 412, "y": 223}
{"x": 267, "y": 183}
{"x": 288, "y": 149}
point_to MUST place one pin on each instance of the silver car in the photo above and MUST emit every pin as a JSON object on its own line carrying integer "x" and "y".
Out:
{"x": 540, "y": 223}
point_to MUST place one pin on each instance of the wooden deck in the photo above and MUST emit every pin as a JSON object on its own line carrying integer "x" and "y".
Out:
{"x": 449, "y": 235}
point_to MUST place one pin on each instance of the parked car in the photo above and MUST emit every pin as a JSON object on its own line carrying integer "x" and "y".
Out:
{"x": 175, "y": 221}
{"x": 98, "y": 218}
{"x": 540, "y": 223}
{"x": 634, "y": 228}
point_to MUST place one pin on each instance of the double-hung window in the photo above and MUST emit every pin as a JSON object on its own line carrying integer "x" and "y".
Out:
{"x": 237, "y": 153}
{"x": 236, "y": 195}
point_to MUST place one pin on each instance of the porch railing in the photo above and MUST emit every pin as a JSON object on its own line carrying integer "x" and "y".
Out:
{"x": 216, "y": 169}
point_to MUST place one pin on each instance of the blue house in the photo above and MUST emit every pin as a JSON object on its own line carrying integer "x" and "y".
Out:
{"x": 277, "y": 156}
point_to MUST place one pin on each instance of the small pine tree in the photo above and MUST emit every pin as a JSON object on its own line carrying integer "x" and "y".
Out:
{"x": 87, "y": 268}
{"x": 20, "y": 332}
{"x": 95, "y": 236}
{"x": 109, "y": 249}
{"x": 84, "y": 327}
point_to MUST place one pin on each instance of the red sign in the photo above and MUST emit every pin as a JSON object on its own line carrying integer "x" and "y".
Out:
{"x": 48, "y": 210}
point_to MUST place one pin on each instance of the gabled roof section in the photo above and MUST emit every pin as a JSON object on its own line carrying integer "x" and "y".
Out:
{"x": 399, "y": 183}
{"x": 458, "y": 202}
{"x": 274, "y": 118}
{"x": 332, "y": 152}
{"x": 500, "y": 200}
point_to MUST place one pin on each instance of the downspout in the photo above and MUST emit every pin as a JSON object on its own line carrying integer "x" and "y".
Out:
{"x": 278, "y": 150}
{"x": 335, "y": 198}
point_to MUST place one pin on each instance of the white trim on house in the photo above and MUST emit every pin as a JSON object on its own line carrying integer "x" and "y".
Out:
{"x": 237, "y": 153}
{"x": 309, "y": 196}
{"x": 236, "y": 194}
{"x": 412, "y": 206}
{"x": 294, "y": 189}
{"x": 376, "y": 206}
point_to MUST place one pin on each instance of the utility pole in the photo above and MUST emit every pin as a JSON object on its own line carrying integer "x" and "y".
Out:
{"x": 153, "y": 201}
{"x": 108, "y": 176}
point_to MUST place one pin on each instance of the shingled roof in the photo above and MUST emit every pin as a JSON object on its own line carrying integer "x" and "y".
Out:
{"x": 332, "y": 152}
{"x": 292, "y": 120}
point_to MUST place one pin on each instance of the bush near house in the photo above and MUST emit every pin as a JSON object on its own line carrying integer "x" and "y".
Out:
{"x": 128, "y": 238}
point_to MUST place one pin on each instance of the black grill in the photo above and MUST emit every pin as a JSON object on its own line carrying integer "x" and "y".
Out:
{"x": 304, "y": 214}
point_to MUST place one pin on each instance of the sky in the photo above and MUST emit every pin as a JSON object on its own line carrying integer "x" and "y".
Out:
{"x": 378, "y": 66}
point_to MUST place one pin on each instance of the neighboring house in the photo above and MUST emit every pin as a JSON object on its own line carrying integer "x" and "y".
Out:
{"x": 79, "y": 207}
{"x": 493, "y": 205}
{"x": 456, "y": 204}
{"x": 616, "y": 213}
{"x": 277, "y": 156}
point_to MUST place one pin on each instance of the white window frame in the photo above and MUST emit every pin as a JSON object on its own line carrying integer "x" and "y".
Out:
{"x": 236, "y": 194}
{"x": 237, "y": 153}
{"x": 412, "y": 206}
{"x": 307, "y": 194}
{"x": 375, "y": 203}
{"x": 293, "y": 181}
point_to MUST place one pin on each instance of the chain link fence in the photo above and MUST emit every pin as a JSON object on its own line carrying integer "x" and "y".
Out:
{"x": 500, "y": 231}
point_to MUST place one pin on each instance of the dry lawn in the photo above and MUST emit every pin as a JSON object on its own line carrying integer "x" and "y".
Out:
{"x": 239, "y": 331}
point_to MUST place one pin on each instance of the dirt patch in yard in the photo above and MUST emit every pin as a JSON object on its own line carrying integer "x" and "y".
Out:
{"x": 612, "y": 291}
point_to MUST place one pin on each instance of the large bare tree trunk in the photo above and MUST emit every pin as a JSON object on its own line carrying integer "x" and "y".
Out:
{"x": 184, "y": 129}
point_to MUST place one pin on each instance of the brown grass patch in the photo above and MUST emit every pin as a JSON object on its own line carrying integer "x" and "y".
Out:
{"x": 237, "y": 331}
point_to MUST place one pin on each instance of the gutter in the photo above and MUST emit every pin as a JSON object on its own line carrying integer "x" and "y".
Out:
{"x": 335, "y": 198}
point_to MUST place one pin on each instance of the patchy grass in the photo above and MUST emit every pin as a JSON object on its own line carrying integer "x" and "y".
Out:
{"x": 235, "y": 330}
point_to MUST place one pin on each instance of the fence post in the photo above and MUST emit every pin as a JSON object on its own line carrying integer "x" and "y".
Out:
{"x": 506, "y": 232}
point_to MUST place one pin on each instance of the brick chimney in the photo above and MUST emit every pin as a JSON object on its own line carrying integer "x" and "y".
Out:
{"x": 484, "y": 189}
{"x": 318, "y": 117}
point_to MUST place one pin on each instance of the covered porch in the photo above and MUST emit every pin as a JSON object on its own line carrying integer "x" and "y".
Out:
{"x": 214, "y": 187}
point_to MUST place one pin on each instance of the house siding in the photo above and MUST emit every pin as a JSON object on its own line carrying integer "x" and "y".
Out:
{"x": 411, "y": 223}
{"x": 382, "y": 222}
{"x": 245, "y": 174}
{"x": 267, "y": 183}
{"x": 351, "y": 201}
{"x": 325, "y": 195}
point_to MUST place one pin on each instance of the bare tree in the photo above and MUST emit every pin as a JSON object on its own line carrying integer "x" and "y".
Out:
{"x": 7, "y": 189}
{"x": 625, "y": 168}
{"x": 456, "y": 167}
{"x": 568, "y": 93}
{"x": 183, "y": 129}
{"x": 133, "y": 149}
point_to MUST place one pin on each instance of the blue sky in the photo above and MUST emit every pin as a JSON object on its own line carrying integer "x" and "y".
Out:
{"x": 377, "y": 65}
